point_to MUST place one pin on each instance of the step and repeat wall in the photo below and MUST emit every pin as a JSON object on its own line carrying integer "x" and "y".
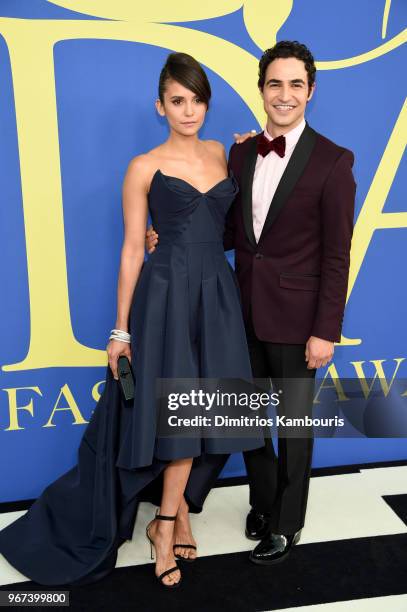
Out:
{"x": 78, "y": 82}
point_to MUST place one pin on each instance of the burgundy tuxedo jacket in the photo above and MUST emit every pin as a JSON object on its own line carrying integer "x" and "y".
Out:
{"x": 294, "y": 280}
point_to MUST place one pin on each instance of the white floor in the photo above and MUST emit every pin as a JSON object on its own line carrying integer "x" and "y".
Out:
{"x": 339, "y": 507}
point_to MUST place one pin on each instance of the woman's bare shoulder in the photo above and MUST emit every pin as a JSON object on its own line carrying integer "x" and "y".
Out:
{"x": 215, "y": 145}
{"x": 216, "y": 149}
{"x": 141, "y": 163}
{"x": 142, "y": 167}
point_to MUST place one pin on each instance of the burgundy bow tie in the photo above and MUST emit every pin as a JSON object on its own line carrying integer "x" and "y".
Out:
{"x": 264, "y": 145}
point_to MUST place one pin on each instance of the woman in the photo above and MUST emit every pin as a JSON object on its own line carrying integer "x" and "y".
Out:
{"x": 179, "y": 316}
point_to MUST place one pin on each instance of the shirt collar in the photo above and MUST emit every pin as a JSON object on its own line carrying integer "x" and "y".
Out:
{"x": 291, "y": 137}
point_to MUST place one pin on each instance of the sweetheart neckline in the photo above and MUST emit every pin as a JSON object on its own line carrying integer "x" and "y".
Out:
{"x": 202, "y": 193}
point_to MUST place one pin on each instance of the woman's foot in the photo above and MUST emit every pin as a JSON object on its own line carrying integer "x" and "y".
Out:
{"x": 162, "y": 533}
{"x": 183, "y": 534}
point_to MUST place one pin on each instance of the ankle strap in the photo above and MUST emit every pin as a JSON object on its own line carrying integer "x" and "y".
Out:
{"x": 162, "y": 517}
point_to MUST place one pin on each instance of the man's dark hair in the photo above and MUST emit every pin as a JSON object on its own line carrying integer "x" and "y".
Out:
{"x": 184, "y": 69}
{"x": 287, "y": 48}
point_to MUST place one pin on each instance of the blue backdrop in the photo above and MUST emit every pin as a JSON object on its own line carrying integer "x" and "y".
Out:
{"x": 104, "y": 110}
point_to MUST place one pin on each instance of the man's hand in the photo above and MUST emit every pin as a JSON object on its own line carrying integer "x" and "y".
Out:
{"x": 318, "y": 352}
{"x": 239, "y": 138}
{"x": 151, "y": 239}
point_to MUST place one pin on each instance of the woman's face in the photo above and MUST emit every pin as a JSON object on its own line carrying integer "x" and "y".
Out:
{"x": 184, "y": 111}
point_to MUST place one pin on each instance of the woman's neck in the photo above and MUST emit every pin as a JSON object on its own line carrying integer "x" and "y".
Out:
{"x": 190, "y": 146}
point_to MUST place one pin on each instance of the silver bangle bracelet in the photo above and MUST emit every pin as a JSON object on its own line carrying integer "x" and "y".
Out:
{"x": 113, "y": 337}
{"x": 120, "y": 331}
{"x": 120, "y": 334}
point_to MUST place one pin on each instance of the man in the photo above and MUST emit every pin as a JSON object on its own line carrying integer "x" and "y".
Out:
{"x": 291, "y": 227}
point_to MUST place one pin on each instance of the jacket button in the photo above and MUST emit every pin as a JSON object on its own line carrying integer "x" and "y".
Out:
{"x": 259, "y": 256}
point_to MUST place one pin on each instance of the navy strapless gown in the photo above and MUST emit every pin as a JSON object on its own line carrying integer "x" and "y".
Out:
{"x": 186, "y": 322}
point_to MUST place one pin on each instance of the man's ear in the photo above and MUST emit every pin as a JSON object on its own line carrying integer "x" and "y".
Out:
{"x": 160, "y": 107}
{"x": 311, "y": 92}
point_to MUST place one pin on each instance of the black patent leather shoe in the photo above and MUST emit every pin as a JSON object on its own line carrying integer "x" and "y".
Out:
{"x": 257, "y": 525}
{"x": 274, "y": 548}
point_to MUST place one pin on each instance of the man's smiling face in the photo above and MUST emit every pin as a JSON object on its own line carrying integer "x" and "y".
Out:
{"x": 285, "y": 93}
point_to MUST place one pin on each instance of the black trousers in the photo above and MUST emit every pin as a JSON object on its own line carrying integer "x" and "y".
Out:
{"x": 279, "y": 484}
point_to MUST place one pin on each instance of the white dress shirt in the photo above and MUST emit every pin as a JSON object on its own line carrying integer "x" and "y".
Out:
{"x": 267, "y": 175}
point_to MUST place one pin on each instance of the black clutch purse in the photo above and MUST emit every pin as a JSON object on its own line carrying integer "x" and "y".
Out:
{"x": 126, "y": 378}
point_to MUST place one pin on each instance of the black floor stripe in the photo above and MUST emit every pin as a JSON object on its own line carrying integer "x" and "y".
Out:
{"x": 398, "y": 503}
{"x": 242, "y": 480}
{"x": 23, "y": 504}
{"x": 314, "y": 573}
{"x": 354, "y": 468}
{"x": 323, "y": 471}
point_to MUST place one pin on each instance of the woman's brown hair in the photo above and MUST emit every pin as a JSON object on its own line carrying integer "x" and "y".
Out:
{"x": 184, "y": 69}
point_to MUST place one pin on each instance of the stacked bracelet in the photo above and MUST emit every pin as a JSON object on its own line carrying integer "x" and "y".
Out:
{"x": 119, "y": 334}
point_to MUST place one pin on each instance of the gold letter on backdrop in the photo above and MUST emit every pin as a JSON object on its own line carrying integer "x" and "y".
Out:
{"x": 14, "y": 407}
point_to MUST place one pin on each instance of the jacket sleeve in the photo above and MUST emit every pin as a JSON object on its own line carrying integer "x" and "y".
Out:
{"x": 229, "y": 231}
{"x": 337, "y": 211}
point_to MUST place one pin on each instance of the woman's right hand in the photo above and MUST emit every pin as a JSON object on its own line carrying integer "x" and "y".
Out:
{"x": 115, "y": 349}
{"x": 239, "y": 138}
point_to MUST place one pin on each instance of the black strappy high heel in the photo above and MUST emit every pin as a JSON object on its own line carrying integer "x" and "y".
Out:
{"x": 187, "y": 559}
{"x": 162, "y": 517}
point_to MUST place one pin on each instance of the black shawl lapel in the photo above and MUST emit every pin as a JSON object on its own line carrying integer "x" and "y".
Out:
{"x": 247, "y": 186}
{"x": 291, "y": 175}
